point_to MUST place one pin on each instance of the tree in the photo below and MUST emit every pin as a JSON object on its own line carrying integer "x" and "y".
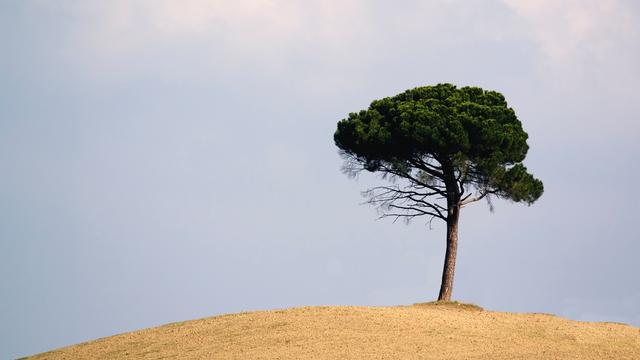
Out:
{"x": 442, "y": 148}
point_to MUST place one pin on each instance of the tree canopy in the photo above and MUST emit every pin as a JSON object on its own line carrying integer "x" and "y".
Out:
{"x": 434, "y": 135}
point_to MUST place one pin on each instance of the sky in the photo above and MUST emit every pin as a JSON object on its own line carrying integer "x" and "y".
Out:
{"x": 170, "y": 160}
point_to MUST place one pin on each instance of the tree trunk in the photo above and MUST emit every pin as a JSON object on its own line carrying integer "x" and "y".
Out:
{"x": 446, "y": 287}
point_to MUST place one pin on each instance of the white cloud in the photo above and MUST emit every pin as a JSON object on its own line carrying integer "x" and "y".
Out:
{"x": 572, "y": 28}
{"x": 317, "y": 42}
{"x": 249, "y": 27}
{"x": 564, "y": 30}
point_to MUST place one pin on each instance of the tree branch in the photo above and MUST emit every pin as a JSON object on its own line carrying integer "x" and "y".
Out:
{"x": 387, "y": 197}
{"x": 433, "y": 170}
{"x": 403, "y": 174}
{"x": 482, "y": 193}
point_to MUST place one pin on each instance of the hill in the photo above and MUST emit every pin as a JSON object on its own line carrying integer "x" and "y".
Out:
{"x": 421, "y": 331}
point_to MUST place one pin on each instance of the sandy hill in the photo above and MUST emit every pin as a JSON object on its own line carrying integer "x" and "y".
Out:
{"x": 427, "y": 331}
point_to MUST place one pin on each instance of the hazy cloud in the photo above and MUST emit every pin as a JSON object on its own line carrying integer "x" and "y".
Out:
{"x": 566, "y": 29}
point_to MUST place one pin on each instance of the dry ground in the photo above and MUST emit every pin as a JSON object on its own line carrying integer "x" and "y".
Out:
{"x": 422, "y": 331}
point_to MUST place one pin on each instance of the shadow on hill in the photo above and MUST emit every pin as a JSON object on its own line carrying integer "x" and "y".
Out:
{"x": 450, "y": 305}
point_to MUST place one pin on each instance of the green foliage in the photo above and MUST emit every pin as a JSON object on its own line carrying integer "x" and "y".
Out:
{"x": 468, "y": 134}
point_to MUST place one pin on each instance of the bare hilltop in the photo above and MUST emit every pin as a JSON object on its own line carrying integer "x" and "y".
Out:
{"x": 421, "y": 331}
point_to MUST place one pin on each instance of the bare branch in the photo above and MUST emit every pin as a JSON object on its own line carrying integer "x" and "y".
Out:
{"x": 439, "y": 189}
{"x": 418, "y": 198}
{"x": 411, "y": 201}
{"x": 431, "y": 169}
{"x": 481, "y": 195}
{"x": 418, "y": 211}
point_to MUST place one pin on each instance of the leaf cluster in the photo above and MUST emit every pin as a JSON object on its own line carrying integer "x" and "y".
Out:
{"x": 443, "y": 135}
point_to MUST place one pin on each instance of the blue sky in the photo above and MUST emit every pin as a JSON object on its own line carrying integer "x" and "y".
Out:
{"x": 169, "y": 160}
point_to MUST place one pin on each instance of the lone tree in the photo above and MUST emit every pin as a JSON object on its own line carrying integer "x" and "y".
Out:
{"x": 442, "y": 148}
